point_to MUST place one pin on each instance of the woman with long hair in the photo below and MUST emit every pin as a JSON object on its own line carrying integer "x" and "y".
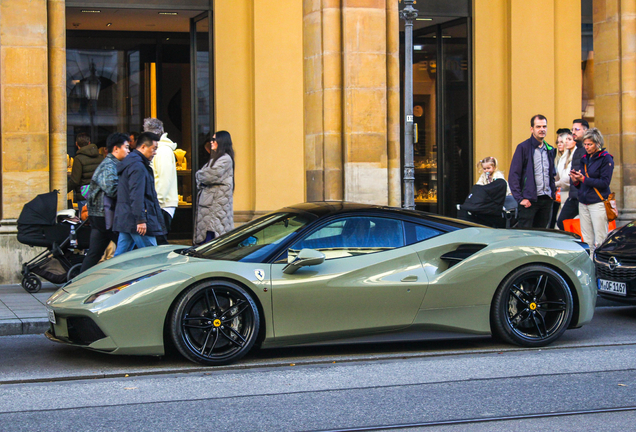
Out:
{"x": 215, "y": 185}
{"x": 563, "y": 167}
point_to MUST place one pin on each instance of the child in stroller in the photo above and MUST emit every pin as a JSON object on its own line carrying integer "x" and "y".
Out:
{"x": 38, "y": 225}
{"x": 490, "y": 202}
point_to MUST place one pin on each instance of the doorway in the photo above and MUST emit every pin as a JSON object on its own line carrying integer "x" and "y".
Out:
{"x": 118, "y": 77}
{"x": 442, "y": 111}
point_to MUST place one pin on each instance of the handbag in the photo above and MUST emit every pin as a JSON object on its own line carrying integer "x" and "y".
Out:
{"x": 610, "y": 203}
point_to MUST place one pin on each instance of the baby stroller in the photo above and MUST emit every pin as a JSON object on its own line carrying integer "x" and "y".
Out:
{"x": 38, "y": 225}
{"x": 489, "y": 205}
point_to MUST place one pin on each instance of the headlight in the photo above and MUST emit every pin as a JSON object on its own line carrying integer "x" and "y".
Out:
{"x": 108, "y": 292}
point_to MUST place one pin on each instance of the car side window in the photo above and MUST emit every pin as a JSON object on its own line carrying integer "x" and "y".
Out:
{"x": 351, "y": 236}
{"x": 416, "y": 233}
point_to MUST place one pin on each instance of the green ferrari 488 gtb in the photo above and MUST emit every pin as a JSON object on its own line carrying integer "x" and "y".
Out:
{"x": 329, "y": 272}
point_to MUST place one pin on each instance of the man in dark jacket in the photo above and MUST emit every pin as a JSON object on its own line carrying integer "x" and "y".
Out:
{"x": 86, "y": 161}
{"x": 138, "y": 218}
{"x": 571, "y": 206}
{"x": 531, "y": 178}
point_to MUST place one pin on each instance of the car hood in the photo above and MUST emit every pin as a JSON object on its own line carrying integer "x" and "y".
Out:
{"x": 622, "y": 241}
{"x": 127, "y": 267}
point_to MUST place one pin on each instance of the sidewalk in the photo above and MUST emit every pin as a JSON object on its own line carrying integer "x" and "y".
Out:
{"x": 22, "y": 312}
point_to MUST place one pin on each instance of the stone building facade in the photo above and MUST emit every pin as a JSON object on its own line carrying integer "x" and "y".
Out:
{"x": 310, "y": 91}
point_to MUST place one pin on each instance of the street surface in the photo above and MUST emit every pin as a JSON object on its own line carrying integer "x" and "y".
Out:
{"x": 469, "y": 383}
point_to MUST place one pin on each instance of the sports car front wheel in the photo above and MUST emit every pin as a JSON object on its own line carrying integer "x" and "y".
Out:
{"x": 532, "y": 307}
{"x": 214, "y": 323}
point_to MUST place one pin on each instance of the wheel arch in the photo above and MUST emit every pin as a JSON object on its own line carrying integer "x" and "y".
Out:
{"x": 262, "y": 322}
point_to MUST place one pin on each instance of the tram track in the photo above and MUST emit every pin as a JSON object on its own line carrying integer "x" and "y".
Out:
{"x": 469, "y": 421}
{"x": 278, "y": 363}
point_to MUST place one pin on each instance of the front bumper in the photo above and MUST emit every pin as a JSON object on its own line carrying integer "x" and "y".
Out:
{"x": 622, "y": 270}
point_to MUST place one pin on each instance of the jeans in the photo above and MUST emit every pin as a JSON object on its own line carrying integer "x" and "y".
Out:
{"x": 593, "y": 224}
{"x": 537, "y": 215}
{"x": 100, "y": 238}
{"x": 127, "y": 241}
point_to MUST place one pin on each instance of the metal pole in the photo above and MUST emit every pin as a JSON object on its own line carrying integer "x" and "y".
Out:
{"x": 408, "y": 14}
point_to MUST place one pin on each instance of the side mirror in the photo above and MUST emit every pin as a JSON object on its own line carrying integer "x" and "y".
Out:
{"x": 306, "y": 257}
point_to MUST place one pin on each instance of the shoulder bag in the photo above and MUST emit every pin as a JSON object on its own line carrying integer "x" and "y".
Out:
{"x": 610, "y": 203}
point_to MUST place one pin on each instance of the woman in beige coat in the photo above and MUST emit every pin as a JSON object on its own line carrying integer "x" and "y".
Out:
{"x": 215, "y": 184}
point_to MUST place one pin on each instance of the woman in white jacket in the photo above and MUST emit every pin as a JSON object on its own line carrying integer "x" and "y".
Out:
{"x": 564, "y": 166}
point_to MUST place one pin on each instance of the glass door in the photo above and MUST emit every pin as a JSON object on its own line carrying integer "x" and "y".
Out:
{"x": 443, "y": 115}
{"x": 456, "y": 122}
{"x": 202, "y": 85}
{"x": 425, "y": 117}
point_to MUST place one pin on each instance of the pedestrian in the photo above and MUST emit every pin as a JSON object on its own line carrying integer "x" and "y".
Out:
{"x": 490, "y": 171}
{"x": 215, "y": 185}
{"x": 103, "y": 188}
{"x": 133, "y": 139}
{"x": 563, "y": 167}
{"x": 138, "y": 218}
{"x": 560, "y": 146}
{"x": 86, "y": 161}
{"x": 570, "y": 207}
{"x": 531, "y": 176}
{"x": 165, "y": 173}
{"x": 593, "y": 184}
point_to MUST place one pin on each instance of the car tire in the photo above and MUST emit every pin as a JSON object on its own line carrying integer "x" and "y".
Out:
{"x": 214, "y": 323}
{"x": 532, "y": 307}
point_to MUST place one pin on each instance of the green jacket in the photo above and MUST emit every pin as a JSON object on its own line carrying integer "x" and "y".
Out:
{"x": 85, "y": 163}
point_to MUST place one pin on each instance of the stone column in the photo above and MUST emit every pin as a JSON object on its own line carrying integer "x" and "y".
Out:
{"x": 352, "y": 107}
{"x": 364, "y": 27}
{"x": 615, "y": 95}
{"x": 323, "y": 99}
{"x": 24, "y": 123}
{"x": 393, "y": 102}
{"x": 24, "y": 103}
{"x": 57, "y": 98}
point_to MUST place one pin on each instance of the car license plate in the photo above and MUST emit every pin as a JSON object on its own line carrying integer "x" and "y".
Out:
{"x": 51, "y": 315}
{"x": 619, "y": 288}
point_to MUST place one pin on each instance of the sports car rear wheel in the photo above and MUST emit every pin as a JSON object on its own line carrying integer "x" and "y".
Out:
{"x": 214, "y": 323}
{"x": 532, "y": 307}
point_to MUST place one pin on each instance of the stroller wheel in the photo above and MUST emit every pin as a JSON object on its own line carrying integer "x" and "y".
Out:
{"x": 31, "y": 283}
{"x": 73, "y": 271}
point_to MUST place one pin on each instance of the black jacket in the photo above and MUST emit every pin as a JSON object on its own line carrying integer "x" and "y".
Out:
{"x": 579, "y": 152}
{"x": 521, "y": 176}
{"x": 600, "y": 167}
{"x": 86, "y": 161}
{"x": 136, "y": 197}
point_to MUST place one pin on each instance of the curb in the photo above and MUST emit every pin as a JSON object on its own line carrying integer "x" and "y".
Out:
{"x": 15, "y": 327}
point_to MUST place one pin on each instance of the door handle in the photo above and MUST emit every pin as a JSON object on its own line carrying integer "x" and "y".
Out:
{"x": 410, "y": 278}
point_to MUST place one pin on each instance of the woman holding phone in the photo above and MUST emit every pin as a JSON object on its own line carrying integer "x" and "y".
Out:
{"x": 593, "y": 184}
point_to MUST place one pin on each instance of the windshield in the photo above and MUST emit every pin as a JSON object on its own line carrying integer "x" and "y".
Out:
{"x": 254, "y": 241}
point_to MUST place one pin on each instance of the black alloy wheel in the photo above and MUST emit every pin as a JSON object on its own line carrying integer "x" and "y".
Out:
{"x": 31, "y": 283}
{"x": 214, "y": 323}
{"x": 532, "y": 307}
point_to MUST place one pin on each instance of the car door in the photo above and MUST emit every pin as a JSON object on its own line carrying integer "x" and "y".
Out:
{"x": 369, "y": 281}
